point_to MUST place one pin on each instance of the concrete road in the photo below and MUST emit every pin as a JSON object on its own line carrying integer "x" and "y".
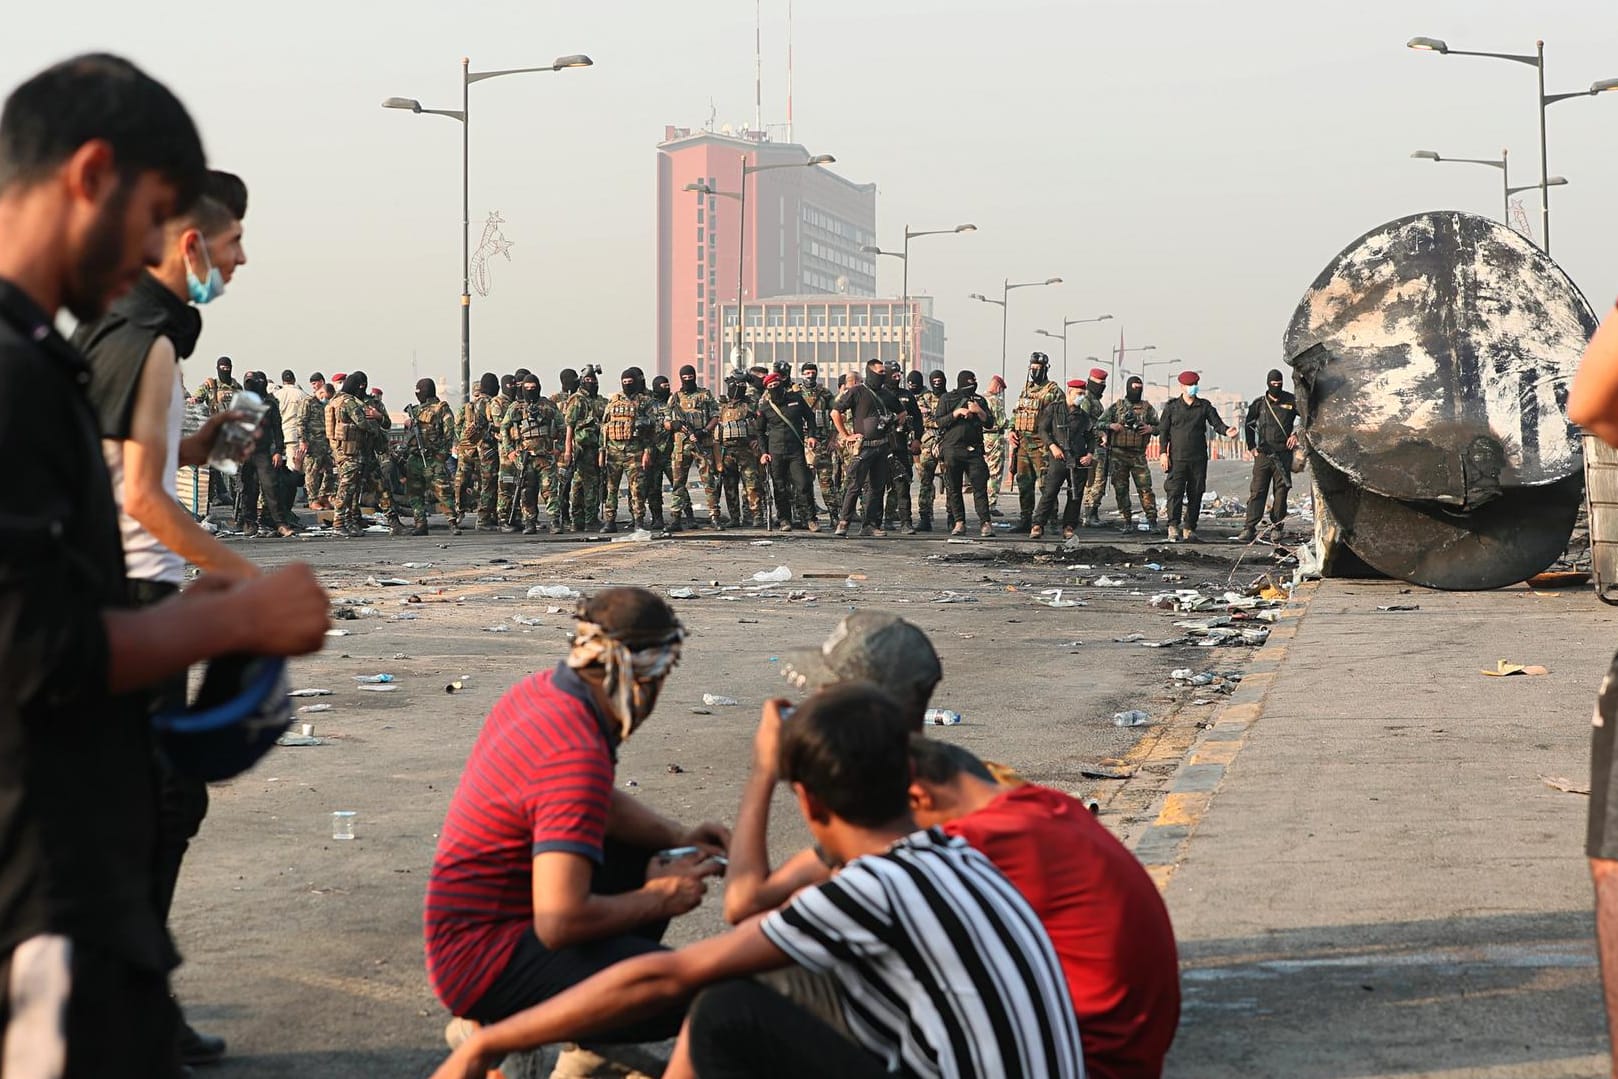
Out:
{"x": 306, "y": 952}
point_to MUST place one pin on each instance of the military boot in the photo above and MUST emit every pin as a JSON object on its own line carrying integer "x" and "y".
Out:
{"x": 610, "y": 527}
{"x": 421, "y": 527}
{"x": 924, "y": 524}
{"x": 455, "y": 525}
{"x": 1128, "y": 527}
{"x": 1092, "y": 518}
{"x": 530, "y": 527}
{"x": 677, "y": 524}
{"x": 396, "y": 524}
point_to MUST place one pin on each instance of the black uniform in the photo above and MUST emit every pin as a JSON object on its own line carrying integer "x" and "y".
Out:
{"x": 960, "y": 449}
{"x": 873, "y": 415}
{"x": 1185, "y": 439}
{"x": 1270, "y": 421}
{"x": 902, "y": 463}
{"x": 1068, "y": 428}
{"x": 785, "y": 424}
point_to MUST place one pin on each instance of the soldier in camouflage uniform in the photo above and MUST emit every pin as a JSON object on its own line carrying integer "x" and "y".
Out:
{"x": 350, "y": 430}
{"x": 1095, "y": 486}
{"x": 477, "y": 455}
{"x": 318, "y": 481}
{"x": 562, "y": 399}
{"x": 584, "y": 417}
{"x": 1027, "y": 447}
{"x": 1131, "y": 423}
{"x": 214, "y": 395}
{"x": 627, "y": 431}
{"x": 381, "y": 469}
{"x": 662, "y": 439}
{"x": 736, "y": 451}
{"x": 510, "y": 390}
{"x": 695, "y": 414}
{"x": 530, "y": 431}
{"x": 431, "y": 435}
{"x": 937, "y": 386}
{"x": 819, "y": 399}
{"x": 994, "y": 442}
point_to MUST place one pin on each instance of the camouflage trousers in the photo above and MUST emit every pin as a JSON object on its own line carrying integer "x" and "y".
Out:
{"x": 586, "y": 495}
{"x": 318, "y": 478}
{"x": 1029, "y": 468}
{"x": 662, "y": 469}
{"x": 477, "y": 481}
{"x": 381, "y": 476}
{"x": 994, "y": 455}
{"x": 687, "y": 452}
{"x": 741, "y": 477}
{"x": 350, "y": 486}
{"x": 1127, "y": 465}
{"x": 931, "y": 471}
{"x": 1095, "y": 486}
{"x": 901, "y": 472}
{"x": 829, "y": 473}
{"x": 422, "y": 475}
{"x": 624, "y": 463}
{"x": 537, "y": 477}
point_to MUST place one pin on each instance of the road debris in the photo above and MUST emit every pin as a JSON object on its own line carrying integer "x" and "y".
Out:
{"x": 1567, "y": 786}
{"x": 1107, "y": 769}
{"x": 1400, "y": 607}
{"x": 682, "y": 592}
{"x": 941, "y": 717}
{"x": 375, "y": 678}
{"x": 1505, "y": 668}
{"x": 954, "y": 597}
{"x": 1132, "y": 718}
{"x": 716, "y": 700}
{"x": 309, "y": 693}
{"x": 552, "y": 591}
{"x": 773, "y": 576}
{"x": 1056, "y": 599}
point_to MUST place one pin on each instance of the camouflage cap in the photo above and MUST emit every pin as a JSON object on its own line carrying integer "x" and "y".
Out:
{"x": 868, "y": 646}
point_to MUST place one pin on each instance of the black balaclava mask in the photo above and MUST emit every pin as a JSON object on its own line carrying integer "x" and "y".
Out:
{"x": 688, "y": 379}
{"x": 426, "y": 390}
{"x": 811, "y": 375}
{"x": 937, "y": 382}
{"x": 356, "y": 384}
{"x": 876, "y": 377}
{"x": 1094, "y": 389}
{"x": 1134, "y": 389}
{"x": 530, "y": 389}
{"x": 966, "y": 380}
{"x": 915, "y": 382}
{"x": 508, "y": 386}
{"x": 736, "y": 387}
{"x": 256, "y": 383}
{"x": 570, "y": 380}
{"x": 223, "y": 369}
{"x": 660, "y": 389}
{"x": 777, "y": 389}
{"x": 633, "y": 380}
{"x": 588, "y": 384}
{"x": 520, "y": 375}
{"x": 489, "y": 384}
{"x": 1038, "y": 364}
{"x": 1274, "y": 381}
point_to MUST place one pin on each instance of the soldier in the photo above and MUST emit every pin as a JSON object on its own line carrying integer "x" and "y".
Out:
{"x": 994, "y": 442}
{"x": 1066, "y": 433}
{"x": 585, "y": 412}
{"x": 349, "y": 429}
{"x": 477, "y": 456}
{"x": 825, "y": 463}
{"x": 510, "y": 391}
{"x": 1095, "y": 483}
{"x": 215, "y": 393}
{"x": 381, "y": 470}
{"x": 562, "y": 398}
{"x": 937, "y": 385}
{"x": 786, "y": 431}
{"x": 695, "y": 414}
{"x": 736, "y": 452}
{"x": 1270, "y": 439}
{"x": 661, "y": 438}
{"x": 318, "y": 481}
{"x": 258, "y": 472}
{"x": 1025, "y": 444}
{"x": 431, "y": 432}
{"x": 1184, "y": 442}
{"x": 530, "y": 431}
{"x": 906, "y": 446}
{"x": 963, "y": 417}
{"x": 1130, "y": 425}
{"x": 755, "y": 393}
{"x": 865, "y": 415}
{"x": 627, "y": 433}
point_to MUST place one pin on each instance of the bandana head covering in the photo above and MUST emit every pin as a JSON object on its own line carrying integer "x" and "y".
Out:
{"x": 633, "y": 670}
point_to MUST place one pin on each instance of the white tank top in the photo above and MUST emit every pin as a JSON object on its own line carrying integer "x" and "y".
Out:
{"x": 145, "y": 559}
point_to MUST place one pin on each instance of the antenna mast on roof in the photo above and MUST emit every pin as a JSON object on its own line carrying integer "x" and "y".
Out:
{"x": 758, "y": 66}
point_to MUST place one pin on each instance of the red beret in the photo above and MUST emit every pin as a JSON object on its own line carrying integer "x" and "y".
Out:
{"x": 772, "y": 379}
{"x": 1097, "y": 375}
{"x": 1075, "y": 383}
{"x": 338, "y": 378}
{"x": 1189, "y": 378}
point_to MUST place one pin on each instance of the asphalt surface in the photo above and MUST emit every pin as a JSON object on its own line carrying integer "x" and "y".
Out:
{"x": 306, "y": 952}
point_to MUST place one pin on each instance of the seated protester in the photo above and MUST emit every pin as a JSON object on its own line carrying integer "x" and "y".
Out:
{"x": 1101, "y": 910}
{"x": 542, "y": 877}
{"x": 944, "y": 969}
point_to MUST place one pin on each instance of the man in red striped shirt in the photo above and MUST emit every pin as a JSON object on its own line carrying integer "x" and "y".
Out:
{"x": 545, "y": 872}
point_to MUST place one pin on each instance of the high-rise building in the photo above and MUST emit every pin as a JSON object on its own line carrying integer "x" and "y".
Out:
{"x": 804, "y": 231}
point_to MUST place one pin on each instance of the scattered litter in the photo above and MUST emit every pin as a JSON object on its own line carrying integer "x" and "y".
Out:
{"x": 799, "y": 595}
{"x": 762, "y": 543}
{"x": 337, "y": 633}
{"x": 1504, "y": 668}
{"x": 747, "y": 621}
{"x": 958, "y": 539}
{"x": 552, "y": 591}
{"x": 388, "y": 582}
{"x": 1190, "y": 677}
{"x": 290, "y": 739}
{"x": 1401, "y": 607}
{"x": 715, "y": 700}
{"x": 309, "y": 693}
{"x": 1131, "y": 639}
{"x": 404, "y": 616}
{"x": 379, "y": 530}
{"x": 954, "y": 597}
{"x": 1203, "y": 625}
{"x": 1155, "y": 567}
{"x": 524, "y": 620}
{"x": 501, "y": 628}
{"x": 941, "y": 717}
{"x": 1056, "y": 599}
{"x": 416, "y": 565}
{"x": 1557, "y": 783}
{"x": 374, "y": 678}
{"x": 631, "y": 784}
{"x": 682, "y": 593}
{"x": 455, "y": 686}
{"x": 310, "y": 709}
{"x": 1168, "y": 643}
{"x": 379, "y": 689}
{"x": 640, "y": 535}
{"x": 676, "y": 770}
{"x": 1107, "y": 769}
{"x": 773, "y": 576}
{"x": 1132, "y": 718}
{"x": 1110, "y": 582}
{"x": 553, "y": 610}
{"x": 702, "y": 711}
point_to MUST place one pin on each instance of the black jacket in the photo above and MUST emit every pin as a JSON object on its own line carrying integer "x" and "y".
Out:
{"x": 961, "y": 436}
{"x": 1184, "y": 428}
{"x": 1068, "y": 428}
{"x": 782, "y": 434}
{"x": 1270, "y": 420}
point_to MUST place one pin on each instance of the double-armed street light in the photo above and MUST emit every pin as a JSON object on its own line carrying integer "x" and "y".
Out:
{"x": 904, "y": 256}
{"x": 1494, "y": 163}
{"x": 1005, "y": 296}
{"x": 1067, "y": 322}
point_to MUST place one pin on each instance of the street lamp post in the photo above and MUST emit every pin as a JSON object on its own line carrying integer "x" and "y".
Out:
{"x": 463, "y": 114}
{"x": 904, "y": 256}
{"x": 1536, "y": 61}
{"x": 741, "y": 235}
{"x": 1003, "y": 301}
{"x": 1147, "y": 365}
{"x": 1118, "y": 357}
{"x": 1066, "y": 322}
{"x": 1505, "y": 175}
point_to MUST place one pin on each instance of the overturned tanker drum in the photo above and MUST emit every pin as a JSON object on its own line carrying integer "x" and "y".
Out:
{"x": 1433, "y": 358}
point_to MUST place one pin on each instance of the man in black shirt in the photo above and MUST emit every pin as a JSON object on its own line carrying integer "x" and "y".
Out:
{"x": 1270, "y": 421}
{"x": 866, "y": 418}
{"x": 95, "y": 156}
{"x": 963, "y": 417}
{"x": 1066, "y": 433}
{"x": 906, "y": 445}
{"x": 786, "y": 426}
{"x": 1184, "y": 442}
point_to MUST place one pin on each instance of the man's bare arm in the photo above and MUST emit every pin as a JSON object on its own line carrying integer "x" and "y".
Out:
{"x": 631, "y": 821}
{"x": 566, "y": 912}
{"x": 1593, "y": 401}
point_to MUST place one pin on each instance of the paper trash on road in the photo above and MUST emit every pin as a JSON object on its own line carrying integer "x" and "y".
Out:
{"x": 552, "y": 591}
{"x": 388, "y": 582}
{"x": 1568, "y": 786}
{"x": 1131, "y": 639}
{"x": 524, "y": 620}
{"x": 378, "y": 689}
{"x": 773, "y": 576}
{"x": 309, "y": 693}
{"x": 1056, "y": 599}
{"x": 1110, "y": 582}
{"x": 501, "y": 628}
{"x": 310, "y": 709}
{"x": 640, "y": 535}
{"x": 1505, "y": 668}
{"x": 715, "y": 700}
{"x": 290, "y": 739}
{"x": 954, "y": 597}
{"x": 1401, "y": 607}
{"x": 682, "y": 593}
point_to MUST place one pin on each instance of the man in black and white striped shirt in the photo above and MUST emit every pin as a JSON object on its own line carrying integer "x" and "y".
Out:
{"x": 945, "y": 970}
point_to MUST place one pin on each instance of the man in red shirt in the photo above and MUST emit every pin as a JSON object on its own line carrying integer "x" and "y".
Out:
{"x": 545, "y": 872}
{"x": 1102, "y": 912}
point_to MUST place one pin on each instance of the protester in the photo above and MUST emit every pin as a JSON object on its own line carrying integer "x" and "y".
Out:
{"x": 1104, "y": 915}
{"x": 95, "y": 158}
{"x": 944, "y": 968}
{"x": 545, "y": 872}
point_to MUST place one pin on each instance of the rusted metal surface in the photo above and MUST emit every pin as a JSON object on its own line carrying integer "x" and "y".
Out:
{"x": 1433, "y": 358}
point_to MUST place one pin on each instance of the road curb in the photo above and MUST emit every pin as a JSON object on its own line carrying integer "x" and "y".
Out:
{"x": 1180, "y": 809}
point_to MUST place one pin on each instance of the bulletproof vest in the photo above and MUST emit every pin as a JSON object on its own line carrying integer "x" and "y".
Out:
{"x": 345, "y": 435}
{"x": 929, "y": 416}
{"x": 735, "y": 421}
{"x": 699, "y": 407}
{"x": 619, "y": 425}
{"x": 429, "y": 427}
{"x": 587, "y": 429}
{"x": 818, "y": 398}
{"x": 1025, "y": 416}
{"x": 662, "y": 437}
{"x": 1133, "y": 436}
{"x": 536, "y": 428}
{"x": 474, "y": 427}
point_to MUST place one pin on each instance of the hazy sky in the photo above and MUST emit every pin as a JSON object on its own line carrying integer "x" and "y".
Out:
{"x": 1187, "y": 166}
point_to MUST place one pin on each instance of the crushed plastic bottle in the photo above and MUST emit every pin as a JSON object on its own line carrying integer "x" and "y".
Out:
{"x": 373, "y": 678}
{"x": 552, "y": 591}
{"x": 715, "y": 700}
{"x": 1132, "y": 718}
{"x": 941, "y": 717}
{"x": 640, "y": 535}
{"x": 773, "y": 576}
{"x": 234, "y": 443}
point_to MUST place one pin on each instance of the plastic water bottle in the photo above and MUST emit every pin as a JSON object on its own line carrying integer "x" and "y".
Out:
{"x": 233, "y": 445}
{"x": 1132, "y": 718}
{"x": 941, "y": 717}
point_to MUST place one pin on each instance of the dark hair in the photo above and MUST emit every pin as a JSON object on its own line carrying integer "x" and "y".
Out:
{"x": 207, "y": 215}
{"x": 288, "y": 377}
{"x": 634, "y": 616}
{"x": 848, "y": 746}
{"x": 98, "y": 96}
{"x": 229, "y": 190}
{"x": 874, "y": 364}
{"x": 317, "y": 377}
{"x": 933, "y": 761}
